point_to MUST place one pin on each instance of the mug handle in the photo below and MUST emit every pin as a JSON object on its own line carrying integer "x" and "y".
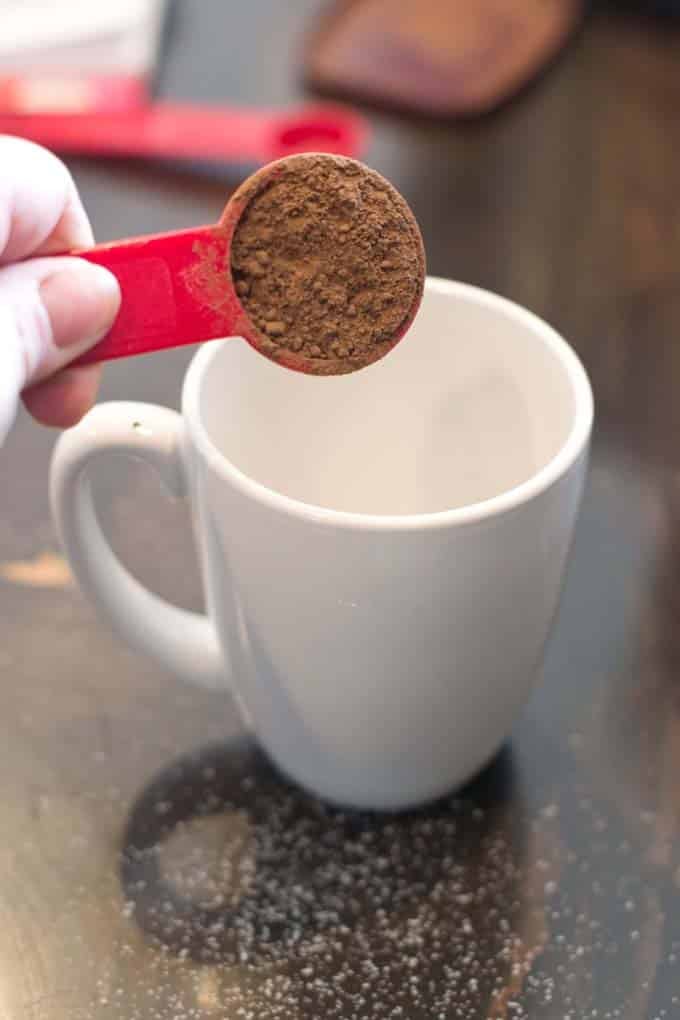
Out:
{"x": 183, "y": 642}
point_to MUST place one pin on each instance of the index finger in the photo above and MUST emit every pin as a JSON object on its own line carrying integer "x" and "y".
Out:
{"x": 40, "y": 209}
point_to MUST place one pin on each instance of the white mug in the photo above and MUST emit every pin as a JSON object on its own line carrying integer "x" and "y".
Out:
{"x": 382, "y": 552}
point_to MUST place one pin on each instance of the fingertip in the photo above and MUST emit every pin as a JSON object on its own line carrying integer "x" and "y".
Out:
{"x": 63, "y": 399}
{"x": 73, "y": 230}
{"x": 82, "y": 300}
{"x": 40, "y": 208}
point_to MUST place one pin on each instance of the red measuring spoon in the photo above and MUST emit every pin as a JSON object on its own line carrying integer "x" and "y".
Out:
{"x": 178, "y": 289}
{"x": 185, "y": 131}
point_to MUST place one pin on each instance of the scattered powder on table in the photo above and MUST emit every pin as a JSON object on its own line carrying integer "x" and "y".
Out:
{"x": 328, "y": 262}
{"x": 269, "y": 905}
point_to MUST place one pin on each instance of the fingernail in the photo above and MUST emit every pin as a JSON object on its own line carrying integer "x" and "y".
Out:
{"x": 82, "y": 302}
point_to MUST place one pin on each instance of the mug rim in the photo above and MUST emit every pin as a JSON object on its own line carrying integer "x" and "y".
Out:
{"x": 472, "y": 513}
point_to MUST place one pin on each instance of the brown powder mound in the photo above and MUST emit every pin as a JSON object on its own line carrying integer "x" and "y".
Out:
{"x": 328, "y": 263}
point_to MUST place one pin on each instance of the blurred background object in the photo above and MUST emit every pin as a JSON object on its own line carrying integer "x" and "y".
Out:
{"x": 79, "y": 79}
{"x": 437, "y": 57}
{"x": 76, "y": 55}
{"x": 187, "y": 131}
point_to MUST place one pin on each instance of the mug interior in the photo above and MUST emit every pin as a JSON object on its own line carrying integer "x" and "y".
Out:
{"x": 478, "y": 398}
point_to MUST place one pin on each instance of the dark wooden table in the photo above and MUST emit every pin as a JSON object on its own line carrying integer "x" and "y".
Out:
{"x": 137, "y": 878}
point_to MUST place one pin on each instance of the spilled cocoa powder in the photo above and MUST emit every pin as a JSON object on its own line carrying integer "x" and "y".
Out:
{"x": 328, "y": 262}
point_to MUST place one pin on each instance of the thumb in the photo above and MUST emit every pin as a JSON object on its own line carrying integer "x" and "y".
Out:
{"x": 51, "y": 311}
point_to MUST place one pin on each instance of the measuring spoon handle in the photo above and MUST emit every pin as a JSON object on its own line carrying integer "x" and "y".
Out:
{"x": 169, "y": 283}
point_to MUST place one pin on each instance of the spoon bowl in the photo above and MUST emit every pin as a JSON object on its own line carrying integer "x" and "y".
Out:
{"x": 178, "y": 288}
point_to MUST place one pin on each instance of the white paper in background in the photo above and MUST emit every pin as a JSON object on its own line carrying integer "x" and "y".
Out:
{"x": 80, "y": 35}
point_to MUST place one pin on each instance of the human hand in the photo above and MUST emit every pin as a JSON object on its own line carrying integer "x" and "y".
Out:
{"x": 52, "y": 308}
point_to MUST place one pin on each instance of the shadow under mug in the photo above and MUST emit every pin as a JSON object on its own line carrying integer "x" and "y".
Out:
{"x": 382, "y": 553}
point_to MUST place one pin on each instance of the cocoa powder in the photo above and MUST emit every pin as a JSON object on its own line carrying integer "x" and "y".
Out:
{"x": 328, "y": 262}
